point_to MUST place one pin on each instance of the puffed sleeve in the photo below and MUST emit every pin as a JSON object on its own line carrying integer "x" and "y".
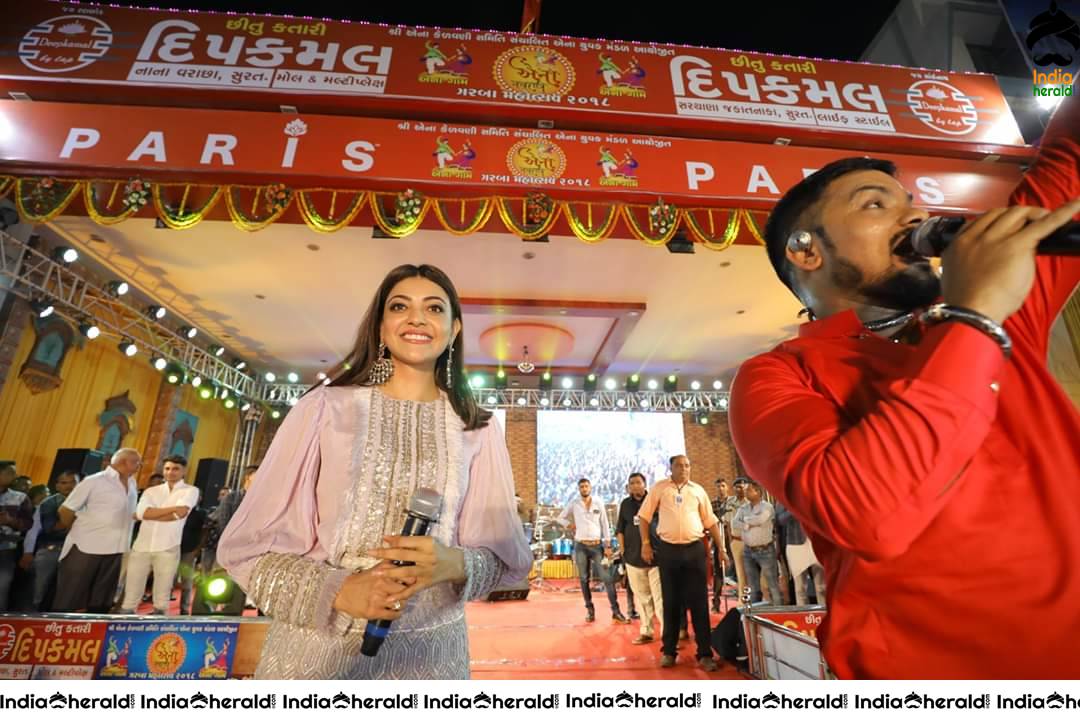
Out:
{"x": 265, "y": 546}
{"x": 489, "y": 530}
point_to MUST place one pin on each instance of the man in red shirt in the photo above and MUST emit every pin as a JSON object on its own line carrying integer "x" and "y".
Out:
{"x": 934, "y": 471}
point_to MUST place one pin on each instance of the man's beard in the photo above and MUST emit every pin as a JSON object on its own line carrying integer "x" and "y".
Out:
{"x": 916, "y": 286}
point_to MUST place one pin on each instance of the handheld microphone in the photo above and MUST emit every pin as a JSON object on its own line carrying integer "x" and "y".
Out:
{"x": 423, "y": 512}
{"x": 932, "y": 237}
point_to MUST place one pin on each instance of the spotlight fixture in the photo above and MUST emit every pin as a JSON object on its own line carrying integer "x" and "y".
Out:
{"x": 491, "y": 400}
{"x": 216, "y": 350}
{"x": 270, "y": 377}
{"x": 621, "y": 402}
{"x": 188, "y": 331}
{"x": 545, "y": 381}
{"x": 42, "y": 308}
{"x": 159, "y": 363}
{"x": 127, "y": 347}
{"x": 321, "y": 376}
{"x": 525, "y": 367}
{"x": 723, "y": 403}
{"x": 644, "y": 402}
{"x": 476, "y": 381}
{"x": 174, "y": 374}
{"x": 567, "y": 383}
{"x": 717, "y": 385}
{"x": 544, "y": 402}
{"x": 65, "y": 255}
{"x": 239, "y": 364}
{"x": 590, "y": 382}
{"x": 293, "y": 377}
{"x": 206, "y": 390}
{"x": 293, "y": 401}
{"x": 89, "y": 330}
{"x": 594, "y": 402}
{"x": 653, "y": 385}
{"x": 196, "y": 381}
{"x": 245, "y": 407}
{"x": 567, "y": 402}
{"x": 633, "y": 383}
{"x": 117, "y": 288}
{"x": 695, "y": 385}
{"x": 155, "y": 312}
{"x": 671, "y": 383}
{"x": 275, "y": 414}
{"x": 703, "y": 418}
{"x": 611, "y": 384}
{"x": 688, "y": 403}
{"x": 500, "y": 379}
{"x": 522, "y": 401}
{"x": 224, "y": 393}
{"x": 230, "y": 403}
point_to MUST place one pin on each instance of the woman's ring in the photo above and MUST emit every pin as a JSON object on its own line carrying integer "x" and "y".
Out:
{"x": 396, "y": 606}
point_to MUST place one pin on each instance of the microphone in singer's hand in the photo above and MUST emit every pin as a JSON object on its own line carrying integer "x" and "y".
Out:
{"x": 932, "y": 237}
{"x": 423, "y": 512}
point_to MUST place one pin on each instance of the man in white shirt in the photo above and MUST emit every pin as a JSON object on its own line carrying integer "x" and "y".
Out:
{"x": 99, "y": 513}
{"x": 592, "y": 539}
{"x": 163, "y": 510}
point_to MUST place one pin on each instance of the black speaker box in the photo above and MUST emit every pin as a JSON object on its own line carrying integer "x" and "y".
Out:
{"x": 211, "y": 476}
{"x": 83, "y": 461}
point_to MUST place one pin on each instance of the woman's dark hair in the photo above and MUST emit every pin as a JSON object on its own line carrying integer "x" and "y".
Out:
{"x": 355, "y": 369}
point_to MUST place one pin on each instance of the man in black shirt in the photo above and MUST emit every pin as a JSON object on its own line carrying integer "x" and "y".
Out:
{"x": 644, "y": 577}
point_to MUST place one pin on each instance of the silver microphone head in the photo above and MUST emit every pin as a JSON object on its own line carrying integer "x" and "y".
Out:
{"x": 426, "y": 503}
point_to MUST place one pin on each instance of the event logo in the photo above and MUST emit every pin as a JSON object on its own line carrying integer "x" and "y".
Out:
{"x": 536, "y": 159}
{"x": 442, "y": 69}
{"x": 618, "y": 173}
{"x": 116, "y": 659}
{"x": 65, "y": 43}
{"x": 166, "y": 654}
{"x": 453, "y": 163}
{"x": 621, "y": 82}
{"x": 1055, "y": 84}
{"x": 7, "y": 640}
{"x": 215, "y": 661}
{"x": 1053, "y": 38}
{"x": 534, "y": 70}
{"x": 942, "y": 107}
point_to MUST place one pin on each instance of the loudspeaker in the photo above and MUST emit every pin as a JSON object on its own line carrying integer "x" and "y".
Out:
{"x": 80, "y": 460}
{"x": 509, "y": 592}
{"x": 211, "y": 476}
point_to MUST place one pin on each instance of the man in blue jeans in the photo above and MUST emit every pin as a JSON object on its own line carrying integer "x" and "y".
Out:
{"x": 44, "y": 542}
{"x": 754, "y": 523}
{"x": 592, "y": 545}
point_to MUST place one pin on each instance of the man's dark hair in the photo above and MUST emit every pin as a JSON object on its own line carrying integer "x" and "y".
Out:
{"x": 7, "y": 465}
{"x": 673, "y": 458}
{"x": 583, "y": 480}
{"x": 176, "y": 460}
{"x": 38, "y": 490}
{"x": 637, "y": 474}
{"x": 789, "y": 213}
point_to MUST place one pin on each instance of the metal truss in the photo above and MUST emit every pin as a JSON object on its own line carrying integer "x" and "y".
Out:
{"x": 32, "y": 275}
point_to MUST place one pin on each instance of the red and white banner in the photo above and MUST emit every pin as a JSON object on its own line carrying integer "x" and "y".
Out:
{"x": 61, "y": 51}
{"x": 223, "y": 145}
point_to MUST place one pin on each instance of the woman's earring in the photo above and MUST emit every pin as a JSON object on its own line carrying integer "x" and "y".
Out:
{"x": 381, "y": 369}
{"x": 450, "y": 368}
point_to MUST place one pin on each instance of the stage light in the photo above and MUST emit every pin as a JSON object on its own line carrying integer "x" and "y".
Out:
{"x": 321, "y": 376}
{"x": 293, "y": 377}
{"x": 43, "y": 308}
{"x": 127, "y": 347}
{"x": 717, "y": 385}
{"x": 270, "y": 377}
{"x": 567, "y": 402}
{"x": 545, "y": 381}
{"x": 703, "y": 418}
{"x": 239, "y": 364}
{"x": 522, "y": 401}
{"x": 293, "y": 401}
{"x": 216, "y": 589}
{"x": 174, "y": 374}
{"x": 188, "y": 331}
{"x": 326, "y": 381}
{"x": 644, "y": 402}
{"x": 476, "y": 381}
{"x": 653, "y": 385}
{"x": 206, "y": 391}
{"x": 621, "y": 402}
{"x": 230, "y": 404}
{"x": 196, "y": 381}
{"x": 633, "y": 383}
{"x": 590, "y": 382}
{"x": 245, "y": 407}
{"x": 117, "y": 288}
{"x": 275, "y": 414}
{"x": 1048, "y": 102}
{"x": 491, "y": 400}
{"x": 671, "y": 383}
{"x": 611, "y": 384}
{"x": 594, "y": 402}
{"x": 89, "y": 330}
{"x": 567, "y": 383}
{"x": 65, "y": 255}
{"x": 695, "y": 385}
{"x": 223, "y": 393}
{"x": 216, "y": 350}
{"x": 723, "y": 403}
{"x": 500, "y": 379}
{"x": 159, "y": 363}
{"x": 155, "y": 312}
{"x": 688, "y": 404}
{"x": 544, "y": 402}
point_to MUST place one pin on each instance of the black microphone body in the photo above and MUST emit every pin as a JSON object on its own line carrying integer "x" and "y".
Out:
{"x": 422, "y": 514}
{"x": 931, "y": 238}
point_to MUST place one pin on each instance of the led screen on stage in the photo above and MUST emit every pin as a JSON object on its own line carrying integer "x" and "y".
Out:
{"x": 604, "y": 447}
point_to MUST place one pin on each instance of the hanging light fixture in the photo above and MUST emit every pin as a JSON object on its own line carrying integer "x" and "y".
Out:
{"x": 525, "y": 367}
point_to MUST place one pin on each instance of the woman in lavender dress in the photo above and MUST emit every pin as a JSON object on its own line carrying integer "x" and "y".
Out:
{"x": 312, "y": 539}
